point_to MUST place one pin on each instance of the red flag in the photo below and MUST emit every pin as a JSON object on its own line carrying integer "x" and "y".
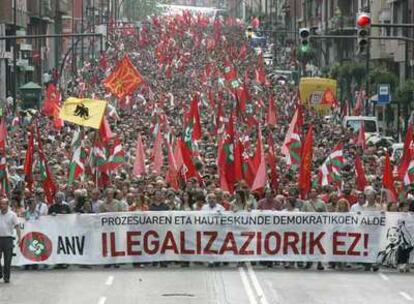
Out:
{"x": 261, "y": 176}
{"x": 230, "y": 72}
{"x": 105, "y": 131}
{"x": 255, "y": 23}
{"x": 257, "y": 157}
{"x": 28, "y": 162}
{"x": 157, "y": 153}
{"x": 328, "y": 98}
{"x": 359, "y": 105}
{"x": 51, "y": 106}
{"x": 49, "y": 185}
{"x": 211, "y": 98}
{"x": 52, "y": 100}
{"x": 139, "y": 163}
{"x": 178, "y": 156}
{"x": 242, "y": 95}
{"x": 305, "y": 173}
{"x": 226, "y": 158}
{"x": 248, "y": 172}
{"x": 172, "y": 174}
{"x": 3, "y": 133}
{"x": 361, "y": 137}
{"x": 271, "y": 157}
{"x": 195, "y": 116}
{"x": 238, "y": 160}
{"x": 360, "y": 179}
{"x": 388, "y": 180}
{"x": 271, "y": 112}
{"x": 406, "y": 158}
{"x": 260, "y": 76}
{"x": 188, "y": 168}
{"x": 243, "y": 52}
{"x": 124, "y": 80}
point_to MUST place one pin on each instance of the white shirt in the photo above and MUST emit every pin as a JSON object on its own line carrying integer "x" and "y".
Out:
{"x": 8, "y": 222}
{"x": 357, "y": 208}
{"x": 96, "y": 205}
{"x": 42, "y": 208}
{"x": 216, "y": 208}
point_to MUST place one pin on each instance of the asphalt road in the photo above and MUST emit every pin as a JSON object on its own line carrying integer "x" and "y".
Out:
{"x": 202, "y": 285}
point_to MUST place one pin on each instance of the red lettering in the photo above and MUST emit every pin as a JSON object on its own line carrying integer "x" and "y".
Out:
{"x": 290, "y": 243}
{"x": 169, "y": 243}
{"x": 198, "y": 242}
{"x": 259, "y": 243}
{"x": 184, "y": 250}
{"x": 304, "y": 239}
{"x": 154, "y": 243}
{"x": 229, "y": 244}
{"x": 130, "y": 243}
{"x": 316, "y": 243}
{"x": 336, "y": 243}
{"x": 213, "y": 237}
{"x": 351, "y": 250}
{"x": 104, "y": 245}
{"x": 115, "y": 253}
{"x": 243, "y": 248}
{"x": 267, "y": 248}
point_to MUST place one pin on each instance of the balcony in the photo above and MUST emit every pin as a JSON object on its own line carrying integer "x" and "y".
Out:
{"x": 61, "y": 7}
{"x": 40, "y": 9}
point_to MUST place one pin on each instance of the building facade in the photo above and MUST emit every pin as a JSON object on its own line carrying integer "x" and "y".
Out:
{"x": 34, "y": 56}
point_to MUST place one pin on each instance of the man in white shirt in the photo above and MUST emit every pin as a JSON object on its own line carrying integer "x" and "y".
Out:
{"x": 212, "y": 204}
{"x": 8, "y": 222}
{"x": 359, "y": 206}
{"x": 371, "y": 204}
{"x": 41, "y": 206}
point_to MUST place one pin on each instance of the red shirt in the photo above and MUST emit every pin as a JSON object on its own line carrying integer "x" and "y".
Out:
{"x": 351, "y": 198}
{"x": 269, "y": 204}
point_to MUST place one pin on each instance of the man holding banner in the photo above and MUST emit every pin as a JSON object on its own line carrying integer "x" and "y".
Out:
{"x": 8, "y": 222}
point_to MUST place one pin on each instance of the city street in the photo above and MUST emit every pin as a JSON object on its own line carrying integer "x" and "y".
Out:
{"x": 199, "y": 284}
{"x": 192, "y": 136}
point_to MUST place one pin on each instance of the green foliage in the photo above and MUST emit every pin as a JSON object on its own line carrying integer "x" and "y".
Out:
{"x": 139, "y": 10}
{"x": 405, "y": 93}
{"x": 346, "y": 74}
{"x": 354, "y": 72}
{"x": 381, "y": 75}
{"x": 358, "y": 72}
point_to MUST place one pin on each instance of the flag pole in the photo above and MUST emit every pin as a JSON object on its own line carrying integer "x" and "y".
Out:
{"x": 382, "y": 195}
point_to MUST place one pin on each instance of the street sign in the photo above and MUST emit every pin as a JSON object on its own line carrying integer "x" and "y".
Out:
{"x": 384, "y": 94}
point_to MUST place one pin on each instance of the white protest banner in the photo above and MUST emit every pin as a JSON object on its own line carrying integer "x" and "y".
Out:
{"x": 199, "y": 236}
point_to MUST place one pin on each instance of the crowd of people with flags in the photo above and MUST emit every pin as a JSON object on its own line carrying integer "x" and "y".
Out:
{"x": 180, "y": 115}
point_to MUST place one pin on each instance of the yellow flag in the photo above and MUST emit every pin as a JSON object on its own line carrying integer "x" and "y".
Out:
{"x": 85, "y": 112}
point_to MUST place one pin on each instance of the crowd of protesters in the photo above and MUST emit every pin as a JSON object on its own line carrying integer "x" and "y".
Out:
{"x": 179, "y": 57}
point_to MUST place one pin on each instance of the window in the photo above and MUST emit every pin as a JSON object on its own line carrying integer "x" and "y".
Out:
{"x": 370, "y": 125}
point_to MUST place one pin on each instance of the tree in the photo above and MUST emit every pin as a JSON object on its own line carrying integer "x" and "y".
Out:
{"x": 405, "y": 96}
{"x": 138, "y": 10}
{"x": 381, "y": 75}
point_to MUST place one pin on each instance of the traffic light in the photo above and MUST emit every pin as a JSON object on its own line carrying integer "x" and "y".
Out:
{"x": 304, "y": 34}
{"x": 363, "y": 24}
{"x": 249, "y": 32}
